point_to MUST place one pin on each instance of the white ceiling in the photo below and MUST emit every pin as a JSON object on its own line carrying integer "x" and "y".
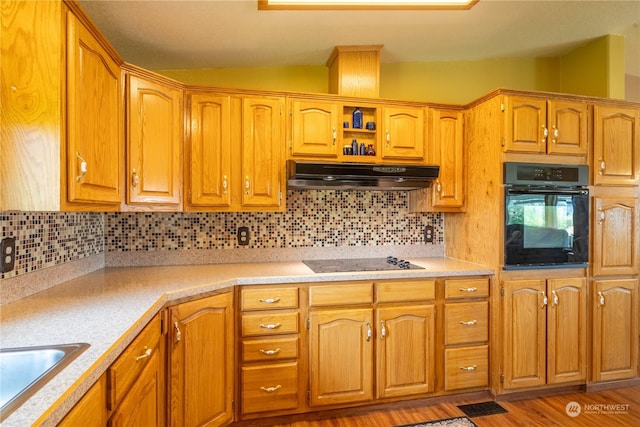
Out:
{"x": 183, "y": 34}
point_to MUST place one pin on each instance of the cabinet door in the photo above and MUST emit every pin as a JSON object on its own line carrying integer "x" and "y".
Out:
{"x": 154, "y": 142}
{"x": 404, "y": 133}
{"x": 446, "y": 151}
{"x": 616, "y": 236}
{"x": 567, "y": 127}
{"x": 144, "y": 403}
{"x": 209, "y": 147}
{"x": 615, "y": 329}
{"x": 314, "y": 128}
{"x": 405, "y": 350}
{"x": 566, "y": 330}
{"x": 91, "y": 410}
{"x": 524, "y": 313}
{"x": 525, "y": 127}
{"x": 341, "y": 356}
{"x": 262, "y": 161}
{"x": 616, "y": 146}
{"x": 94, "y": 119}
{"x": 201, "y": 371}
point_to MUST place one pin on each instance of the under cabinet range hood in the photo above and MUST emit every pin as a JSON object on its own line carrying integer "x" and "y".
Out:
{"x": 358, "y": 176}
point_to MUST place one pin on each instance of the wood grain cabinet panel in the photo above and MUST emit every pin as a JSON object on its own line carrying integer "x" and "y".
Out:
{"x": 314, "y": 128}
{"x": 154, "y": 143}
{"x": 404, "y": 134}
{"x": 268, "y": 298}
{"x": 269, "y": 388}
{"x": 616, "y": 145}
{"x": 466, "y": 322}
{"x": 270, "y": 323}
{"x": 466, "y": 367}
{"x": 91, "y": 410}
{"x": 466, "y": 288}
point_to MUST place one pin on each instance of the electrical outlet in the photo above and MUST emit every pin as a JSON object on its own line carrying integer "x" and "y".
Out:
{"x": 243, "y": 236}
{"x": 7, "y": 254}
{"x": 428, "y": 234}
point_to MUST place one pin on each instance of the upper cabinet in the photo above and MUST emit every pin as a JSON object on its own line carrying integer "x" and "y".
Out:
{"x": 314, "y": 128}
{"x": 404, "y": 133}
{"x": 62, "y": 115}
{"x": 94, "y": 154}
{"x": 236, "y": 177}
{"x": 538, "y": 126}
{"x": 616, "y": 145}
{"x": 154, "y": 143}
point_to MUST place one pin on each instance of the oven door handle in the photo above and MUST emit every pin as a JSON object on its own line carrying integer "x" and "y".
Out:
{"x": 548, "y": 191}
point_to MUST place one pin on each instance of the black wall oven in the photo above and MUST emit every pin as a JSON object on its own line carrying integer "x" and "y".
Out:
{"x": 546, "y": 216}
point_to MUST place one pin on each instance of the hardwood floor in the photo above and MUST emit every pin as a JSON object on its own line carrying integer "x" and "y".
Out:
{"x": 538, "y": 412}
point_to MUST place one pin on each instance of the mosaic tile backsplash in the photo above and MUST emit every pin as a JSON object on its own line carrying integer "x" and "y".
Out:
{"x": 313, "y": 218}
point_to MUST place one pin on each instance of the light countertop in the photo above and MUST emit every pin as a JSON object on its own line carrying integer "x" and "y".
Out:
{"x": 109, "y": 307}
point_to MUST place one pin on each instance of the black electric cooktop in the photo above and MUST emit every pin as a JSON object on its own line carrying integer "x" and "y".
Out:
{"x": 359, "y": 264}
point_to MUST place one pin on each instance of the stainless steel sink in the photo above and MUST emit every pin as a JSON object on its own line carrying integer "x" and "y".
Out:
{"x": 24, "y": 370}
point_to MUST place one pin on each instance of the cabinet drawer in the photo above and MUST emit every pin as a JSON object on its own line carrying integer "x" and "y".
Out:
{"x": 340, "y": 293}
{"x": 466, "y": 367}
{"x": 269, "y": 324}
{"x": 405, "y": 291}
{"x": 466, "y": 322}
{"x": 269, "y": 388}
{"x": 268, "y": 298}
{"x": 269, "y": 349}
{"x": 466, "y": 288}
{"x": 127, "y": 368}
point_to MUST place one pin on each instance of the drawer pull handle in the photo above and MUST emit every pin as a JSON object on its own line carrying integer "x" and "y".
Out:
{"x": 270, "y": 352}
{"x": 147, "y": 353}
{"x": 369, "y": 332}
{"x": 468, "y": 368}
{"x": 270, "y": 326}
{"x": 468, "y": 289}
{"x": 271, "y": 389}
{"x": 468, "y": 323}
{"x": 269, "y": 300}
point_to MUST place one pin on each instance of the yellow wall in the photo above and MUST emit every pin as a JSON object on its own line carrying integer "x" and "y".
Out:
{"x": 595, "y": 69}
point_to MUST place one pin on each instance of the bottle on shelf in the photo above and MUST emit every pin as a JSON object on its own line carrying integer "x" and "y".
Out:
{"x": 354, "y": 147}
{"x": 357, "y": 118}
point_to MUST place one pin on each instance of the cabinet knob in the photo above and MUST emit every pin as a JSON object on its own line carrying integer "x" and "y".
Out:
{"x": 224, "y": 184}
{"x": 83, "y": 167}
{"x": 469, "y": 368}
{"x": 178, "y": 332}
{"x": 335, "y": 136}
{"x": 545, "y": 134}
{"x": 603, "y": 166}
{"x": 555, "y": 299}
{"x": 545, "y": 300}
{"x": 147, "y": 353}
{"x": 600, "y": 299}
{"x": 247, "y": 185}
{"x": 388, "y": 137}
{"x": 369, "y": 332}
{"x": 555, "y": 134}
{"x": 601, "y": 216}
{"x": 383, "y": 329}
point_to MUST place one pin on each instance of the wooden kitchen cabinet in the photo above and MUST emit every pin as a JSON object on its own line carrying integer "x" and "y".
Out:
{"x": 245, "y": 176}
{"x": 544, "y": 332}
{"x": 615, "y": 329}
{"x": 201, "y": 362}
{"x": 540, "y": 126}
{"x": 405, "y": 349}
{"x": 91, "y": 410}
{"x": 340, "y": 356}
{"x": 94, "y": 112}
{"x": 154, "y": 142}
{"x": 404, "y": 133}
{"x": 616, "y": 236}
{"x": 314, "y": 128}
{"x": 616, "y": 145}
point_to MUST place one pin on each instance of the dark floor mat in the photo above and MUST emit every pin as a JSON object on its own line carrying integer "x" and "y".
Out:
{"x": 482, "y": 409}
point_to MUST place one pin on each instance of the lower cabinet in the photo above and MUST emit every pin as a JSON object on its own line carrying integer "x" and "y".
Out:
{"x": 201, "y": 365}
{"x": 615, "y": 329}
{"x": 91, "y": 410}
{"x": 544, "y": 335}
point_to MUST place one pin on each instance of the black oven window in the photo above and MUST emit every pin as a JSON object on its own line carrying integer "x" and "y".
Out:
{"x": 546, "y": 229}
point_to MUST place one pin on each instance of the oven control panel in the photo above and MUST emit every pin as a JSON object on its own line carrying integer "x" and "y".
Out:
{"x": 545, "y": 174}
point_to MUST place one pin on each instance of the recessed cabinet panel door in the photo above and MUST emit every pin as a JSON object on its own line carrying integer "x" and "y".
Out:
{"x": 567, "y": 127}
{"x": 314, "y": 128}
{"x": 525, "y": 125}
{"x": 262, "y": 162}
{"x": 154, "y": 143}
{"x": 341, "y": 356}
{"x": 524, "y": 333}
{"x": 615, "y": 329}
{"x": 566, "y": 330}
{"x": 405, "y": 350}
{"x": 404, "y": 133}
{"x": 210, "y": 150}
{"x": 616, "y": 146}
{"x": 616, "y": 247}
{"x": 94, "y": 119}
{"x": 446, "y": 147}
